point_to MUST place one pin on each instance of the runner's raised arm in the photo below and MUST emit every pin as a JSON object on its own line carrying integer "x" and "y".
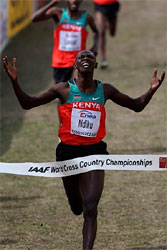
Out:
{"x": 136, "y": 104}
{"x": 26, "y": 101}
{"x": 47, "y": 12}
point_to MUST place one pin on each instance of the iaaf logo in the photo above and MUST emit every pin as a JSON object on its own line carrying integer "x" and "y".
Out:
{"x": 163, "y": 162}
{"x": 87, "y": 114}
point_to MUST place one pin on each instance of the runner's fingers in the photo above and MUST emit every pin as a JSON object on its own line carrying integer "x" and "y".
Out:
{"x": 5, "y": 61}
{"x": 155, "y": 73}
{"x": 162, "y": 76}
{"x": 14, "y": 62}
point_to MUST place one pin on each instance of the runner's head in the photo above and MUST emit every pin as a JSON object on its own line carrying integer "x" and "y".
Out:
{"x": 85, "y": 61}
{"x": 74, "y": 5}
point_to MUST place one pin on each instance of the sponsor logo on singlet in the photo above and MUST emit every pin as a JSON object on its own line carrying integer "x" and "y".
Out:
{"x": 84, "y": 122}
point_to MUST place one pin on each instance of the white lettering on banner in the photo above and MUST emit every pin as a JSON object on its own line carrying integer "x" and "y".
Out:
{"x": 85, "y": 122}
{"x": 69, "y": 41}
{"x": 86, "y": 164}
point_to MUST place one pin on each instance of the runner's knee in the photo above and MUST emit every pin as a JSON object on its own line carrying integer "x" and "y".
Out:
{"x": 90, "y": 210}
{"x": 102, "y": 32}
{"x": 76, "y": 210}
{"x": 112, "y": 32}
{"x": 76, "y": 205}
{"x": 112, "y": 27}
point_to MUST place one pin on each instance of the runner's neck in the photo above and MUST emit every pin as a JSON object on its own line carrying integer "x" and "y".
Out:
{"x": 86, "y": 85}
{"x": 75, "y": 14}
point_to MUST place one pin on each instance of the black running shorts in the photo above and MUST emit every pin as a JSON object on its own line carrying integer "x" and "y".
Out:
{"x": 66, "y": 152}
{"x": 62, "y": 74}
{"x": 108, "y": 10}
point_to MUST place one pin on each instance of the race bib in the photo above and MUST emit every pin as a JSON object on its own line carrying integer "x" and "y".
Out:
{"x": 69, "y": 41}
{"x": 85, "y": 122}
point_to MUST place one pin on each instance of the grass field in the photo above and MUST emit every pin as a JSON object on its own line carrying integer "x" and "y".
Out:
{"x": 132, "y": 212}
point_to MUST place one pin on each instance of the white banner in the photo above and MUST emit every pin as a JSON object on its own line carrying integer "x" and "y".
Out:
{"x": 86, "y": 164}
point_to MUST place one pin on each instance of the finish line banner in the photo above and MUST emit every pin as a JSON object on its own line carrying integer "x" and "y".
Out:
{"x": 86, "y": 164}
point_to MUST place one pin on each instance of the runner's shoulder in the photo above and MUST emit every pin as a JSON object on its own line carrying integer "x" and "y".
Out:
{"x": 61, "y": 86}
{"x": 55, "y": 11}
{"x": 108, "y": 85}
{"x": 109, "y": 90}
{"x": 90, "y": 18}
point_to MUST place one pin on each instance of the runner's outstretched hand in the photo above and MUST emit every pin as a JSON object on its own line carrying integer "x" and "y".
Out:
{"x": 11, "y": 70}
{"x": 94, "y": 50}
{"x": 55, "y": 1}
{"x": 157, "y": 81}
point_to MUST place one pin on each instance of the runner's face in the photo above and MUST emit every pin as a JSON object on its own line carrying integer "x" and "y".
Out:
{"x": 85, "y": 61}
{"x": 73, "y": 5}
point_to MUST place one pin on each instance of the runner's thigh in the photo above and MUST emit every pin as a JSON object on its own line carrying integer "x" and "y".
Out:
{"x": 91, "y": 186}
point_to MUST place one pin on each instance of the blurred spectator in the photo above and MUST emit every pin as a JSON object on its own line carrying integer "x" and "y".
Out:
{"x": 70, "y": 35}
{"x": 106, "y": 13}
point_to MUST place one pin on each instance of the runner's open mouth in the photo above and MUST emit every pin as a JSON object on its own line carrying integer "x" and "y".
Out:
{"x": 85, "y": 65}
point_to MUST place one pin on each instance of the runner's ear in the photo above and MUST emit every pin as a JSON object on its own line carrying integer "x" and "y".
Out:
{"x": 75, "y": 66}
